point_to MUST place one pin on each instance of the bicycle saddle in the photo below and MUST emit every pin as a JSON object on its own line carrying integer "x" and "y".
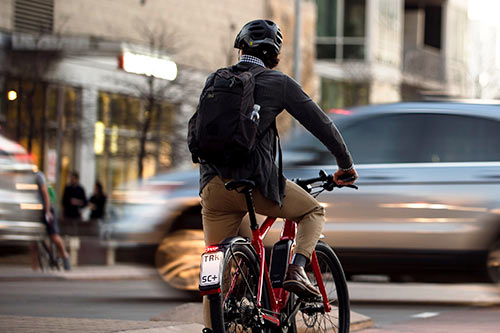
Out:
{"x": 241, "y": 184}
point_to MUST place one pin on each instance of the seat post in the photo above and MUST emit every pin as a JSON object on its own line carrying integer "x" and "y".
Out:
{"x": 251, "y": 209}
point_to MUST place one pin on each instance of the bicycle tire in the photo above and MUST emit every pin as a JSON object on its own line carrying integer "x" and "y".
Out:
{"x": 240, "y": 276}
{"x": 310, "y": 318}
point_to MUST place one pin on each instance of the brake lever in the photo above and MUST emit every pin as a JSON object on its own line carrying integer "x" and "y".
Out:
{"x": 329, "y": 186}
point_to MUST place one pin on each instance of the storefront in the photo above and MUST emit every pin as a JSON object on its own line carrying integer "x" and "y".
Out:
{"x": 87, "y": 114}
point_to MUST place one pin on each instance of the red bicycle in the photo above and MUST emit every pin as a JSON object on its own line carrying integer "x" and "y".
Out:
{"x": 247, "y": 296}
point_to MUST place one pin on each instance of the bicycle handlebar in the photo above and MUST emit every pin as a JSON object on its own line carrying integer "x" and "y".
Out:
{"x": 327, "y": 181}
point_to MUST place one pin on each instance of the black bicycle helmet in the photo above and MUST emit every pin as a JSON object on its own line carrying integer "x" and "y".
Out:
{"x": 259, "y": 32}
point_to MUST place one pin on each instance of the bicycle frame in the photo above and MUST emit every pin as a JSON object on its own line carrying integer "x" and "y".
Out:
{"x": 279, "y": 296}
{"x": 213, "y": 260}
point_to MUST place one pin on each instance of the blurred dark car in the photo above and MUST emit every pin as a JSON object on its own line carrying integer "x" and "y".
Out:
{"x": 20, "y": 205}
{"x": 427, "y": 208}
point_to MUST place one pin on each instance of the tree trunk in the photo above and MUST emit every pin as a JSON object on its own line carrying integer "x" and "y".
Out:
{"x": 148, "y": 115}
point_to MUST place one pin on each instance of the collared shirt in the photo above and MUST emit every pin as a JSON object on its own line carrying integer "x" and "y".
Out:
{"x": 251, "y": 59}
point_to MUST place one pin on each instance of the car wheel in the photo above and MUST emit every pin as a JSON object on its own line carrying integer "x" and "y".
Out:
{"x": 493, "y": 263}
{"x": 178, "y": 256}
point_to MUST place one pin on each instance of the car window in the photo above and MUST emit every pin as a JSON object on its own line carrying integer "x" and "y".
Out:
{"x": 386, "y": 139}
{"x": 406, "y": 138}
{"x": 456, "y": 138}
{"x": 424, "y": 138}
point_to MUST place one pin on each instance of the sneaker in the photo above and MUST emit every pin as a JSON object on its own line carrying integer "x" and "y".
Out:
{"x": 206, "y": 330}
{"x": 296, "y": 281}
{"x": 66, "y": 264}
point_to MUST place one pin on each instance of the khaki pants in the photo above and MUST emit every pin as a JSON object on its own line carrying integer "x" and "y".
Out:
{"x": 223, "y": 210}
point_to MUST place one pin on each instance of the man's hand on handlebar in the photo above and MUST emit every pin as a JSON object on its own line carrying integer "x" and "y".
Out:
{"x": 343, "y": 178}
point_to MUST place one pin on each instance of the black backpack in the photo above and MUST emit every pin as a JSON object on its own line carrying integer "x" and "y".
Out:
{"x": 224, "y": 128}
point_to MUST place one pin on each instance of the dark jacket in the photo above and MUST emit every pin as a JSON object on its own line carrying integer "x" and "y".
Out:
{"x": 77, "y": 192}
{"x": 275, "y": 91}
{"x": 99, "y": 204}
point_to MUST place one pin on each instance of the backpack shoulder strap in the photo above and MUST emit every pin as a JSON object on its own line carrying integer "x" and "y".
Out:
{"x": 256, "y": 70}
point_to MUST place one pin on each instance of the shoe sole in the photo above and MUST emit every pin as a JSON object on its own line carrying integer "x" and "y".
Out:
{"x": 299, "y": 289}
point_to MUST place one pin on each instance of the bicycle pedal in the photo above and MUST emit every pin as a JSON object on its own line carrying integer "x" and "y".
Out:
{"x": 311, "y": 299}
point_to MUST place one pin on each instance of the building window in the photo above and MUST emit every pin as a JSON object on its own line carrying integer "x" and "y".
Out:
{"x": 340, "y": 29}
{"x": 432, "y": 32}
{"x": 120, "y": 124}
{"x": 342, "y": 94}
{"x": 433, "y": 17}
{"x": 33, "y": 15}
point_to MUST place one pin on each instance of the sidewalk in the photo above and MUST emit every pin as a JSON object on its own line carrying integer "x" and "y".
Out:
{"x": 191, "y": 313}
{"x": 63, "y": 325}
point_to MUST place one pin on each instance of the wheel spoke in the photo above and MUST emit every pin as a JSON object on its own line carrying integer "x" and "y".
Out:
{"x": 312, "y": 316}
{"x": 239, "y": 287}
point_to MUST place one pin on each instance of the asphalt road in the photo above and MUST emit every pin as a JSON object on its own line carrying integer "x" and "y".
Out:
{"x": 143, "y": 299}
{"x": 130, "y": 300}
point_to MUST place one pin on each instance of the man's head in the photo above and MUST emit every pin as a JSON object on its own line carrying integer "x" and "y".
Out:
{"x": 262, "y": 39}
{"x": 75, "y": 178}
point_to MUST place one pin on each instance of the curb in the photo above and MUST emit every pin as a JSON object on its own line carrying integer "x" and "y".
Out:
{"x": 90, "y": 273}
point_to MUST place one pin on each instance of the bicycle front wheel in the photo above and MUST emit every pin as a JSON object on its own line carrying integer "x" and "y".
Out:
{"x": 239, "y": 285}
{"x": 312, "y": 317}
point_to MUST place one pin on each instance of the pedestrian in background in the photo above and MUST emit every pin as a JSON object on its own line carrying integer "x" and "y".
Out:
{"x": 48, "y": 218}
{"x": 74, "y": 199}
{"x": 97, "y": 202}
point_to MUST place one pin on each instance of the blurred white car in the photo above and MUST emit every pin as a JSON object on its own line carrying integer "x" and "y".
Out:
{"x": 20, "y": 206}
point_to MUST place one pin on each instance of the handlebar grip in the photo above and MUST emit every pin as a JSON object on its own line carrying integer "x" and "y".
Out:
{"x": 347, "y": 178}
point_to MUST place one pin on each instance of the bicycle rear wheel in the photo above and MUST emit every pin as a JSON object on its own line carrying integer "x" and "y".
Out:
{"x": 311, "y": 317}
{"x": 239, "y": 284}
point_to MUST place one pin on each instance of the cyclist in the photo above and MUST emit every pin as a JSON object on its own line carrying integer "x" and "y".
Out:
{"x": 259, "y": 43}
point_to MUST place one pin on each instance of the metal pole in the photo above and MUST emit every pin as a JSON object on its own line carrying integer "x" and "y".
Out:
{"x": 296, "y": 44}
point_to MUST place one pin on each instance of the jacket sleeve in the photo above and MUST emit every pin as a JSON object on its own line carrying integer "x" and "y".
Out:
{"x": 310, "y": 115}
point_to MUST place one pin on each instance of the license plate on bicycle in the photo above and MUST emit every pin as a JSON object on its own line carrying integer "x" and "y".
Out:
{"x": 211, "y": 265}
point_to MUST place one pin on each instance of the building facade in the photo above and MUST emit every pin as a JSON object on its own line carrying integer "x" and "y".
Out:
{"x": 80, "y": 107}
{"x": 374, "y": 51}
